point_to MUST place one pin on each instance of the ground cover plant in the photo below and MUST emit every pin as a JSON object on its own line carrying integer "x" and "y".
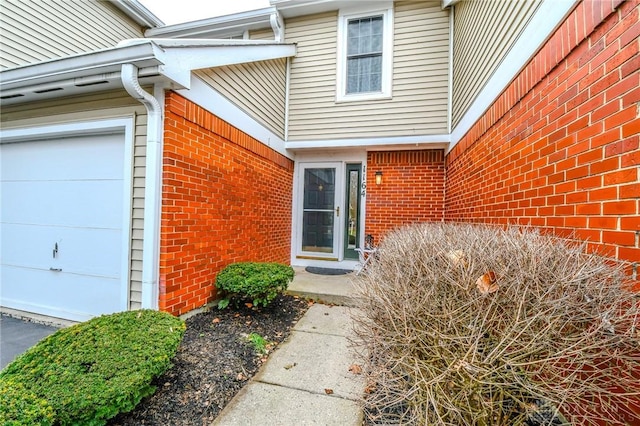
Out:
{"x": 255, "y": 282}
{"x": 216, "y": 358}
{"x": 466, "y": 324}
{"x": 90, "y": 372}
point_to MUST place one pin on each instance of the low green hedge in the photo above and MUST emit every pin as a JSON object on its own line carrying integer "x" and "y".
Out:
{"x": 90, "y": 372}
{"x": 255, "y": 281}
{"x": 20, "y": 407}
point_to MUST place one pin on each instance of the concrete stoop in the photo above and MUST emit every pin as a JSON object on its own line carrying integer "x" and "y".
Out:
{"x": 328, "y": 289}
{"x": 307, "y": 380}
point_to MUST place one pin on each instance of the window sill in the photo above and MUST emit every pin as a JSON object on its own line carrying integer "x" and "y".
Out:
{"x": 363, "y": 97}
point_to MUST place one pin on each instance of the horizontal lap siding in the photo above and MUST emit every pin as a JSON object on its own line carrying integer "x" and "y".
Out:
{"x": 82, "y": 108}
{"x": 263, "y": 34}
{"x": 258, "y": 88}
{"x": 420, "y": 85}
{"x": 34, "y": 31}
{"x": 483, "y": 33}
{"x": 560, "y": 148}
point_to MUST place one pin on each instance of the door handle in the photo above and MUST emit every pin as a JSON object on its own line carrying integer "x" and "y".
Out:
{"x": 56, "y": 269}
{"x": 338, "y": 211}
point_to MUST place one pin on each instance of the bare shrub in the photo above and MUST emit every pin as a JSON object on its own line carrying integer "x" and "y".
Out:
{"x": 476, "y": 325}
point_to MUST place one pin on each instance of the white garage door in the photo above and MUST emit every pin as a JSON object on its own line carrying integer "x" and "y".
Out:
{"x": 61, "y": 226}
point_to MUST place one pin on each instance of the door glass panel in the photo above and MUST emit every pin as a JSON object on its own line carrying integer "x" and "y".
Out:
{"x": 352, "y": 220}
{"x": 318, "y": 210}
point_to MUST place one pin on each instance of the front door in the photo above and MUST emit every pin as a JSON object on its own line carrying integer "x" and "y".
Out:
{"x": 321, "y": 215}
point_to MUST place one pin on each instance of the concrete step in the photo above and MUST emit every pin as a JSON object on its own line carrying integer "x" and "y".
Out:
{"x": 329, "y": 289}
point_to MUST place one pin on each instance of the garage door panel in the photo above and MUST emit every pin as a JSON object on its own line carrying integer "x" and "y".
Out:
{"x": 68, "y": 191}
{"x": 83, "y": 251}
{"x": 89, "y": 157}
{"x": 60, "y": 294}
{"x": 65, "y": 203}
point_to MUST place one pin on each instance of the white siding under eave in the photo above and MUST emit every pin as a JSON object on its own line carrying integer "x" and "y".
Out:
{"x": 483, "y": 34}
{"x": 420, "y": 78}
{"x": 99, "y": 106}
{"x": 258, "y": 88}
{"x": 34, "y": 31}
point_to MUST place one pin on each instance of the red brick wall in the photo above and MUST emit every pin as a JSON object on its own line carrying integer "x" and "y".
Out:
{"x": 412, "y": 189}
{"x": 559, "y": 148}
{"x": 225, "y": 198}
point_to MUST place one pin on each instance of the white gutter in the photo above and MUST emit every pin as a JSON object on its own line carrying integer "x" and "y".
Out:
{"x": 153, "y": 185}
{"x": 216, "y": 27}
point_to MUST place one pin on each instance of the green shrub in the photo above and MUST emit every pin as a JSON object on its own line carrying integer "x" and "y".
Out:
{"x": 481, "y": 325}
{"x": 19, "y": 407}
{"x": 92, "y": 371}
{"x": 254, "y": 281}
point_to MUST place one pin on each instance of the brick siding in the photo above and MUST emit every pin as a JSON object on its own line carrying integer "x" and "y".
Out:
{"x": 412, "y": 189}
{"x": 559, "y": 148}
{"x": 226, "y": 197}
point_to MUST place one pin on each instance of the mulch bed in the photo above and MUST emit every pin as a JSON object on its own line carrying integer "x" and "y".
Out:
{"x": 214, "y": 361}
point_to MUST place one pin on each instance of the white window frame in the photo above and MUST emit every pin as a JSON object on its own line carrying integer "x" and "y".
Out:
{"x": 345, "y": 15}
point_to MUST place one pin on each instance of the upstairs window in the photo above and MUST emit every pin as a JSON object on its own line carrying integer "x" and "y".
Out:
{"x": 365, "y": 42}
{"x": 364, "y": 55}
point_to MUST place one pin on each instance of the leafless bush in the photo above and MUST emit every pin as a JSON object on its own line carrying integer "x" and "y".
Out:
{"x": 476, "y": 325}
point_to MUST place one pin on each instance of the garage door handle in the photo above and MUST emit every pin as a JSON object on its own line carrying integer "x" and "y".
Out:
{"x": 56, "y": 269}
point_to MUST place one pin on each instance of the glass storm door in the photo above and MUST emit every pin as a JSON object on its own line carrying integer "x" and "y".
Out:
{"x": 321, "y": 210}
{"x": 352, "y": 211}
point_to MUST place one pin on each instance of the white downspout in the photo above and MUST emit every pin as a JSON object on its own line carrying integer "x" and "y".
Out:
{"x": 152, "y": 192}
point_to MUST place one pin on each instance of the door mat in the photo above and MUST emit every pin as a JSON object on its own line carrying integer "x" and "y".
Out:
{"x": 326, "y": 271}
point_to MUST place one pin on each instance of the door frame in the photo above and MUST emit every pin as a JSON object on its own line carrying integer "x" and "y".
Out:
{"x": 322, "y": 158}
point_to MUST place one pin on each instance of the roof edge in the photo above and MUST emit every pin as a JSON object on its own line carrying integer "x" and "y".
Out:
{"x": 136, "y": 11}
{"x": 215, "y": 25}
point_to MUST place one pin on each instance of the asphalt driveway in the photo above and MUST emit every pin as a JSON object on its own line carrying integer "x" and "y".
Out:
{"x": 16, "y": 336}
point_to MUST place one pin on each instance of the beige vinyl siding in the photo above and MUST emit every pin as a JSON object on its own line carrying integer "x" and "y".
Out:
{"x": 37, "y": 30}
{"x": 420, "y": 78}
{"x": 264, "y": 34}
{"x": 257, "y": 88}
{"x": 484, "y": 31}
{"x": 93, "y": 107}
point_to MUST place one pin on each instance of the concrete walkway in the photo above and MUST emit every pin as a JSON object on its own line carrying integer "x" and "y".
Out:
{"x": 307, "y": 380}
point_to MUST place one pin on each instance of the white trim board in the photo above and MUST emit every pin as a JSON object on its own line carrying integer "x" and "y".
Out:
{"x": 397, "y": 142}
{"x": 542, "y": 25}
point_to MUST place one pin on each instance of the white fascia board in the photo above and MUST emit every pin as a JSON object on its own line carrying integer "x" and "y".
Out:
{"x": 542, "y": 25}
{"x": 208, "y": 98}
{"x": 136, "y": 11}
{"x": 98, "y": 62}
{"x": 398, "y": 142}
{"x": 181, "y": 56}
{"x": 237, "y": 22}
{"x": 180, "y": 62}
